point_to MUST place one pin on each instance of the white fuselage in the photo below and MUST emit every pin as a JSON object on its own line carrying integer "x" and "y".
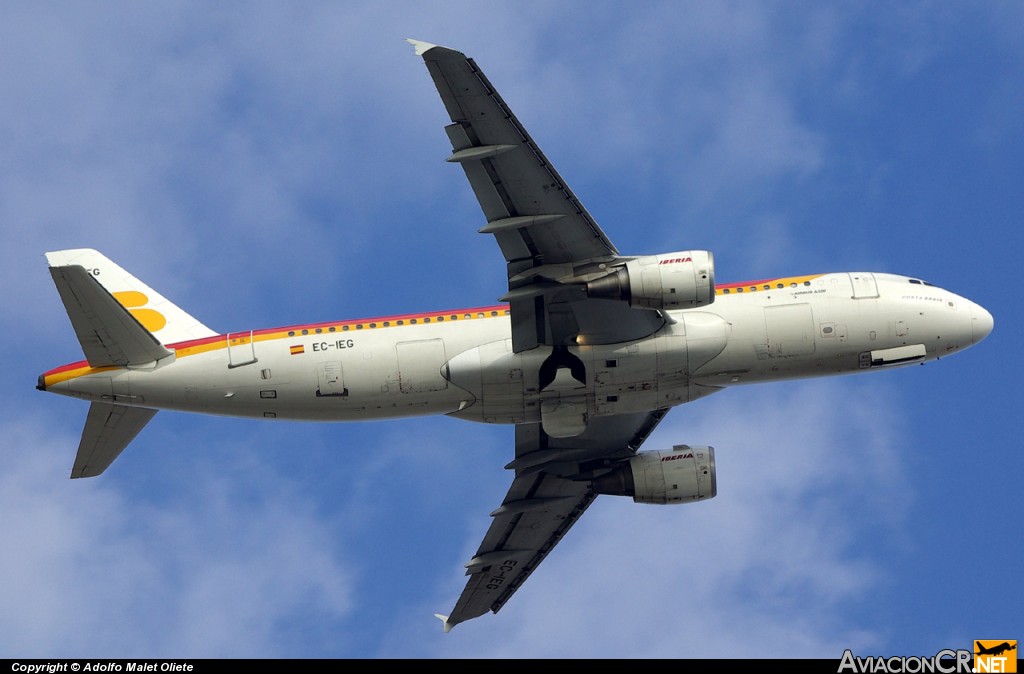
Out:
{"x": 461, "y": 362}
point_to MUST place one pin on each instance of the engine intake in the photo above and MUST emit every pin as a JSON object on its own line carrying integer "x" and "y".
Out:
{"x": 671, "y": 281}
{"x": 682, "y": 474}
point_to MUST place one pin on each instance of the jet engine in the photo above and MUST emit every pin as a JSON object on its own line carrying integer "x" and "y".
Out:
{"x": 682, "y": 474}
{"x": 671, "y": 281}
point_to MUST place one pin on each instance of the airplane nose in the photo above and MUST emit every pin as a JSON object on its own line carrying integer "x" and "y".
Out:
{"x": 981, "y": 323}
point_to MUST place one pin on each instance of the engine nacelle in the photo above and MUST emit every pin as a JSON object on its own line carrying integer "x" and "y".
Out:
{"x": 682, "y": 474}
{"x": 671, "y": 281}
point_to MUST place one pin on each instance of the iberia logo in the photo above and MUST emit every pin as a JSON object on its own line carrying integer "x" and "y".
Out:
{"x": 135, "y": 303}
{"x": 995, "y": 655}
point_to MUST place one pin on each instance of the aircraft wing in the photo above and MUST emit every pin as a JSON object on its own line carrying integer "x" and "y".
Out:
{"x": 548, "y": 238}
{"x": 550, "y": 491}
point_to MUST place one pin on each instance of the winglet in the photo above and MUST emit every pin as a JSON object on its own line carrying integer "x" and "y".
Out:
{"x": 421, "y": 48}
{"x": 443, "y": 618}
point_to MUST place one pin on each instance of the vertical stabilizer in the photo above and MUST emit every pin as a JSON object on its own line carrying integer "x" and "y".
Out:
{"x": 109, "y": 333}
{"x": 158, "y": 315}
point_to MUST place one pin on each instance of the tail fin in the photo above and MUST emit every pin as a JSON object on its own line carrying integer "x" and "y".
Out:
{"x": 109, "y": 334}
{"x": 153, "y": 311}
{"x": 119, "y": 320}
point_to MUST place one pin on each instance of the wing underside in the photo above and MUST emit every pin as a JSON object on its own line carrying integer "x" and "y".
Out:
{"x": 549, "y": 493}
{"x": 550, "y": 242}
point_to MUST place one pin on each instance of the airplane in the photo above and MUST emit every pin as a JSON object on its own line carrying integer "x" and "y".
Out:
{"x": 994, "y": 650}
{"x": 585, "y": 354}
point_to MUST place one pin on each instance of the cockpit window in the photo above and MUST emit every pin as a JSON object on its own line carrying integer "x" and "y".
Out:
{"x": 915, "y": 281}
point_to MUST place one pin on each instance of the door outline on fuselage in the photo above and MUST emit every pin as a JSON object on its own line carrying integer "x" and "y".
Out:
{"x": 241, "y": 349}
{"x": 330, "y": 377}
{"x": 864, "y": 285}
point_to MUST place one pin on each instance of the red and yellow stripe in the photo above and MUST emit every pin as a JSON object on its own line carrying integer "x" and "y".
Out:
{"x": 217, "y": 342}
{"x": 765, "y": 284}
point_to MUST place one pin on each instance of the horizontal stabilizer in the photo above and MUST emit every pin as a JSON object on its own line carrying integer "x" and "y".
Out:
{"x": 109, "y": 333}
{"x": 108, "y": 430}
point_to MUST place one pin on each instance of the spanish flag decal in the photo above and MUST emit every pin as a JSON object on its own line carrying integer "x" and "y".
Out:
{"x": 297, "y": 349}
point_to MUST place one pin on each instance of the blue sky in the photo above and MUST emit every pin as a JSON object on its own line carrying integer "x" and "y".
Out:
{"x": 266, "y": 164}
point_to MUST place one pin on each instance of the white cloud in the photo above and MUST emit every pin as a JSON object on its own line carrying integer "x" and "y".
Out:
{"x": 223, "y": 568}
{"x": 695, "y": 98}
